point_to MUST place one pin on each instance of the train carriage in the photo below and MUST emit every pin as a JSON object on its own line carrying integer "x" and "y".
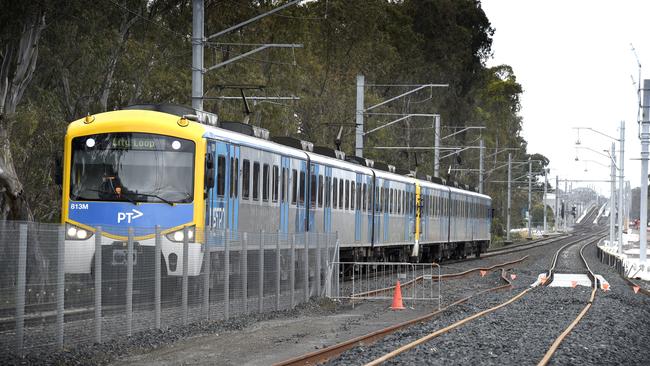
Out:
{"x": 181, "y": 171}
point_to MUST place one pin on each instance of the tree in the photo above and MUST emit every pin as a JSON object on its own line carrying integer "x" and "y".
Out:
{"x": 21, "y": 33}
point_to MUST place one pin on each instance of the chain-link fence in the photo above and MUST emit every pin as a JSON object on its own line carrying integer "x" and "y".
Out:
{"x": 59, "y": 287}
{"x": 419, "y": 282}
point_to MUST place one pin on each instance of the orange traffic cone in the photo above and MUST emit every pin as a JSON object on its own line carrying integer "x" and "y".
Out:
{"x": 397, "y": 298}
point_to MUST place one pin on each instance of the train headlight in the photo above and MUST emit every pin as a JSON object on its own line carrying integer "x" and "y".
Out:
{"x": 73, "y": 232}
{"x": 178, "y": 236}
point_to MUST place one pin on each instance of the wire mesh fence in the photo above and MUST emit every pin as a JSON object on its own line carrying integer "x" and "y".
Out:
{"x": 57, "y": 290}
{"x": 418, "y": 282}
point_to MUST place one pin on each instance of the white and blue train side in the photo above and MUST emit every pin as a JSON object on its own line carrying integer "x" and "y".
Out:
{"x": 177, "y": 168}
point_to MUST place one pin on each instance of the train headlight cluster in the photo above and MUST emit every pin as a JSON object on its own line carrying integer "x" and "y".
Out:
{"x": 178, "y": 235}
{"x": 73, "y": 232}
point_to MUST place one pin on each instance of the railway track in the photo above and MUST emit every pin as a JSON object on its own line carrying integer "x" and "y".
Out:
{"x": 332, "y": 351}
{"x": 595, "y": 284}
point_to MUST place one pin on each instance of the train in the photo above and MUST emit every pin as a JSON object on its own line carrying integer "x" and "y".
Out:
{"x": 181, "y": 171}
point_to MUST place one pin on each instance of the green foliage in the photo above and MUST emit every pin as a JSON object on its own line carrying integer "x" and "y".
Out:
{"x": 139, "y": 51}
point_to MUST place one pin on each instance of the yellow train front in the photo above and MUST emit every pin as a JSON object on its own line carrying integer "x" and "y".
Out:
{"x": 133, "y": 170}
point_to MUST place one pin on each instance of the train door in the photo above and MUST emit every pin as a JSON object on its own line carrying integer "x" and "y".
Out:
{"x": 366, "y": 206}
{"x": 425, "y": 199}
{"x": 376, "y": 207}
{"x": 313, "y": 197}
{"x": 385, "y": 201}
{"x": 303, "y": 197}
{"x": 327, "y": 206}
{"x": 358, "y": 222}
{"x": 418, "y": 212}
{"x": 234, "y": 185}
{"x": 223, "y": 198}
{"x": 410, "y": 200}
{"x": 285, "y": 170}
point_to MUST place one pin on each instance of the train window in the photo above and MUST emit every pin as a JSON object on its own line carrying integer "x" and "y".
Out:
{"x": 347, "y": 194}
{"x": 283, "y": 185}
{"x": 320, "y": 190}
{"x": 359, "y": 196}
{"x": 221, "y": 175}
{"x": 335, "y": 188}
{"x": 313, "y": 193}
{"x": 274, "y": 179}
{"x": 245, "y": 187}
{"x": 328, "y": 191}
{"x": 294, "y": 182}
{"x": 303, "y": 187}
{"x": 364, "y": 196}
{"x": 341, "y": 192}
{"x": 398, "y": 195}
{"x": 407, "y": 204}
{"x": 256, "y": 181}
{"x": 265, "y": 182}
{"x": 424, "y": 205}
{"x": 385, "y": 199}
{"x": 234, "y": 177}
{"x": 352, "y": 195}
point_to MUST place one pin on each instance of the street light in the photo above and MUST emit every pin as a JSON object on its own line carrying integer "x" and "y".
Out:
{"x": 621, "y": 169}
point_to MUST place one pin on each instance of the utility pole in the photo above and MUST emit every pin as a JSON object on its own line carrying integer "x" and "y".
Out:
{"x": 480, "y": 167}
{"x": 545, "y": 184}
{"x": 557, "y": 203}
{"x": 621, "y": 187}
{"x": 359, "y": 122}
{"x": 645, "y": 141}
{"x": 436, "y": 151}
{"x": 612, "y": 199}
{"x": 198, "y": 39}
{"x": 197, "y": 54}
{"x": 361, "y": 109}
{"x": 509, "y": 197}
{"x": 530, "y": 197}
{"x": 566, "y": 204}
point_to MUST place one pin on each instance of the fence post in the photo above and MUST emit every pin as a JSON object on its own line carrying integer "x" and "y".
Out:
{"x": 260, "y": 291}
{"x": 60, "y": 286}
{"x": 129, "y": 284}
{"x": 306, "y": 265}
{"x": 292, "y": 271}
{"x": 244, "y": 270}
{"x": 226, "y": 280}
{"x": 318, "y": 265}
{"x": 185, "y": 278}
{"x": 278, "y": 269}
{"x": 207, "y": 256}
{"x": 98, "y": 285}
{"x": 20, "y": 286}
{"x": 328, "y": 276}
{"x": 157, "y": 275}
{"x": 338, "y": 269}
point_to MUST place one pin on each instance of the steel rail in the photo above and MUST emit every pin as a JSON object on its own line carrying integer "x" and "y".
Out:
{"x": 467, "y": 319}
{"x": 361, "y": 295}
{"x": 556, "y": 344}
{"x": 325, "y": 354}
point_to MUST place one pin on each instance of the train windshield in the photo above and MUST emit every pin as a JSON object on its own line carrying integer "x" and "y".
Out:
{"x": 132, "y": 167}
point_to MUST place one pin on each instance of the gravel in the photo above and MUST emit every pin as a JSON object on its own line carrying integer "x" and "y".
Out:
{"x": 104, "y": 353}
{"x": 612, "y": 332}
{"x": 616, "y": 329}
{"x": 519, "y": 333}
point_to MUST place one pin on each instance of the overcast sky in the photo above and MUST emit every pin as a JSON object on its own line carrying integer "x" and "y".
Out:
{"x": 575, "y": 63}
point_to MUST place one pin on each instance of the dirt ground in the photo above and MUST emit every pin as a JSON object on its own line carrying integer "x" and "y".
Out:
{"x": 276, "y": 340}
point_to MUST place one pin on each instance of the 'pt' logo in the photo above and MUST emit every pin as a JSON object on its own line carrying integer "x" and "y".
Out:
{"x": 128, "y": 216}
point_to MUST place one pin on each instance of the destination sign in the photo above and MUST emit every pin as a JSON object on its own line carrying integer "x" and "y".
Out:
{"x": 132, "y": 142}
